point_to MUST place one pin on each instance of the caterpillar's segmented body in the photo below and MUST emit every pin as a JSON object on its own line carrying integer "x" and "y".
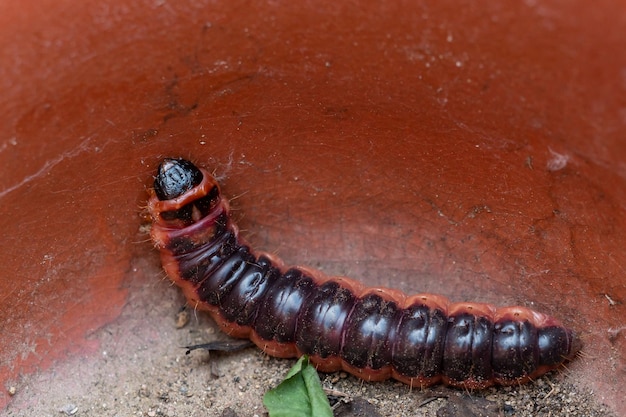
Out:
{"x": 373, "y": 333}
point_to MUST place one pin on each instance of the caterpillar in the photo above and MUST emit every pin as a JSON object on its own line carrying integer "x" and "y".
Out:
{"x": 373, "y": 333}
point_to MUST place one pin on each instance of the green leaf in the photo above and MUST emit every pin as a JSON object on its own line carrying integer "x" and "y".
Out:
{"x": 299, "y": 395}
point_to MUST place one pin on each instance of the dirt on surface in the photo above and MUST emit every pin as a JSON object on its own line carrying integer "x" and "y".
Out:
{"x": 142, "y": 369}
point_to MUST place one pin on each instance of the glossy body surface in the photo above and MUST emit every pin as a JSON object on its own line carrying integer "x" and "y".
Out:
{"x": 374, "y": 333}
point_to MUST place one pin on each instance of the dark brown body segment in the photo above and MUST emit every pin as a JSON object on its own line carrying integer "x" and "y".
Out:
{"x": 374, "y": 333}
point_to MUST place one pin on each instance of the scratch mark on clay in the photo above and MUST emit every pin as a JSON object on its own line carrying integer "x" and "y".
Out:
{"x": 48, "y": 165}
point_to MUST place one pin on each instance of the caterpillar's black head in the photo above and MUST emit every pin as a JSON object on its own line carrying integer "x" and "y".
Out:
{"x": 175, "y": 177}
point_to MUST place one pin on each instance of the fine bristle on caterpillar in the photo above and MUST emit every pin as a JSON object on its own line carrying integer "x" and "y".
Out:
{"x": 373, "y": 333}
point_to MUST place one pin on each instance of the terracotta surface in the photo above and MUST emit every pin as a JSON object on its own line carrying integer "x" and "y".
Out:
{"x": 473, "y": 151}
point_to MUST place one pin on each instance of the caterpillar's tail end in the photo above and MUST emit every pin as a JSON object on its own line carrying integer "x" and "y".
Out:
{"x": 576, "y": 345}
{"x": 175, "y": 176}
{"x": 557, "y": 344}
